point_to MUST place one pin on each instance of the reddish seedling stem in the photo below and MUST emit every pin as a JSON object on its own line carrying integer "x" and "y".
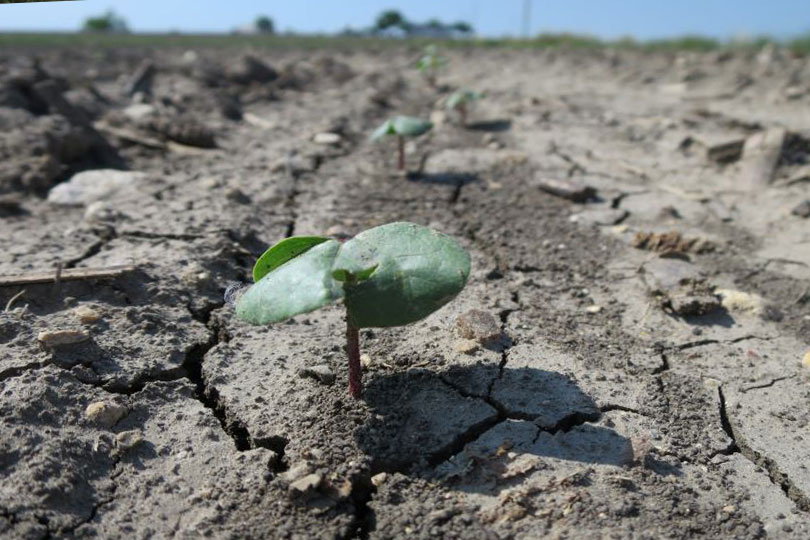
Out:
{"x": 353, "y": 350}
{"x": 462, "y": 112}
{"x": 401, "y": 152}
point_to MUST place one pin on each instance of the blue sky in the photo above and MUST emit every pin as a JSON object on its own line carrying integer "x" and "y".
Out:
{"x": 643, "y": 19}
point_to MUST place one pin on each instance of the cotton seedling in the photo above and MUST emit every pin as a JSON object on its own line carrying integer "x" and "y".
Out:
{"x": 401, "y": 126}
{"x": 391, "y": 275}
{"x": 461, "y": 100}
{"x": 430, "y": 63}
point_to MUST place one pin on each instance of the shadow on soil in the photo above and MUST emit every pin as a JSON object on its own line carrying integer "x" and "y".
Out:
{"x": 423, "y": 426}
{"x": 719, "y": 317}
{"x": 444, "y": 179}
{"x": 496, "y": 125}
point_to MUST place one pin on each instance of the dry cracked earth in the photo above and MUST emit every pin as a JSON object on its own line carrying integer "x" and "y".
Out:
{"x": 626, "y": 361}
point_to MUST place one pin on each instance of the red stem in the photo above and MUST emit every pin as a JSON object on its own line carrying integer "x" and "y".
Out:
{"x": 353, "y": 350}
{"x": 401, "y": 149}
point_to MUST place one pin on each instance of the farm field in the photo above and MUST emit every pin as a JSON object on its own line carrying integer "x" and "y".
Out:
{"x": 628, "y": 360}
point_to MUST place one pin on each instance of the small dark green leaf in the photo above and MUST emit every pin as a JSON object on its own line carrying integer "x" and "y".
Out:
{"x": 282, "y": 252}
{"x": 345, "y": 276}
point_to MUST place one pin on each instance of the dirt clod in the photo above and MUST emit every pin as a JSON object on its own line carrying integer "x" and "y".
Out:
{"x": 58, "y": 338}
{"x": 802, "y": 209}
{"x": 479, "y": 326}
{"x": 105, "y": 413}
{"x": 671, "y": 242}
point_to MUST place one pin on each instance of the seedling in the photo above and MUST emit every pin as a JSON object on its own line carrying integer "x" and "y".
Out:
{"x": 391, "y": 275}
{"x": 460, "y": 101}
{"x": 401, "y": 126}
{"x": 430, "y": 63}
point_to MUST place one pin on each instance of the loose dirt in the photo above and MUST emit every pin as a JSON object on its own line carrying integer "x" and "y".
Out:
{"x": 605, "y": 407}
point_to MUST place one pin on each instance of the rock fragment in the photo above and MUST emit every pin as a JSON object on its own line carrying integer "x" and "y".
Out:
{"x": 802, "y": 209}
{"x": 86, "y": 315}
{"x": 306, "y": 484}
{"x": 105, "y": 413}
{"x": 726, "y": 152}
{"x": 567, "y": 189}
{"x": 326, "y": 138}
{"x": 97, "y": 185}
{"x": 739, "y": 301}
{"x": 379, "y": 478}
{"x": 321, "y": 373}
{"x": 694, "y": 303}
{"x": 127, "y": 440}
{"x": 760, "y": 157}
{"x": 479, "y": 326}
{"x": 58, "y": 338}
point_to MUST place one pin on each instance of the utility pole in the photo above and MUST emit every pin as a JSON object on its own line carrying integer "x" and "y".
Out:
{"x": 527, "y": 17}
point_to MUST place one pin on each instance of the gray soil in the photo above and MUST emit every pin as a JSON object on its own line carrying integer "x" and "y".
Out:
{"x": 609, "y": 385}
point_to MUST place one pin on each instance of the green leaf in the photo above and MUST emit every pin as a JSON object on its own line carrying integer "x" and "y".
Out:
{"x": 387, "y": 128}
{"x": 462, "y": 97}
{"x": 282, "y": 252}
{"x": 301, "y": 285}
{"x": 409, "y": 126}
{"x": 345, "y": 276}
{"x": 418, "y": 271}
{"x": 390, "y": 275}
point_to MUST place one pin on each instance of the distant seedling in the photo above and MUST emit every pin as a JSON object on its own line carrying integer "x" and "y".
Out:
{"x": 461, "y": 100}
{"x": 401, "y": 126}
{"x": 430, "y": 64}
{"x": 391, "y": 275}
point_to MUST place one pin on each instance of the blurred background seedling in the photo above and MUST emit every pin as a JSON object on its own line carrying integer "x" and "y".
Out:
{"x": 430, "y": 64}
{"x": 461, "y": 100}
{"x": 401, "y": 127}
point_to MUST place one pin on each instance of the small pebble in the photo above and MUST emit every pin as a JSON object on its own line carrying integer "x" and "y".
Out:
{"x": 321, "y": 373}
{"x": 128, "y": 439}
{"x": 806, "y": 359}
{"x": 378, "y": 479}
{"x": 237, "y": 195}
{"x": 307, "y": 483}
{"x": 593, "y": 309}
{"x": 56, "y": 338}
{"x": 86, "y": 315}
{"x": 729, "y": 509}
{"x": 105, "y": 413}
{"x": 326, "y": 138}
{"x": 365, "y": 361}
{"x": 479, "y": 326}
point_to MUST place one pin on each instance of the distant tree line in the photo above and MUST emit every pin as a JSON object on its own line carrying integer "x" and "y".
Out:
{"x": 394, "y": 20}
{"x": 109, "y": 22}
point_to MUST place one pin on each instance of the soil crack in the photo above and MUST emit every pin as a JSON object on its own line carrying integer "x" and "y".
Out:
{"x": 209, "y": 396}
{"x": 776, "y": 476}
{"x": 765, "y": 384}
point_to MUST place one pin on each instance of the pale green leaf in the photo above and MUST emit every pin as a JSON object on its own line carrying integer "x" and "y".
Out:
{"x": 302, "y": 284}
